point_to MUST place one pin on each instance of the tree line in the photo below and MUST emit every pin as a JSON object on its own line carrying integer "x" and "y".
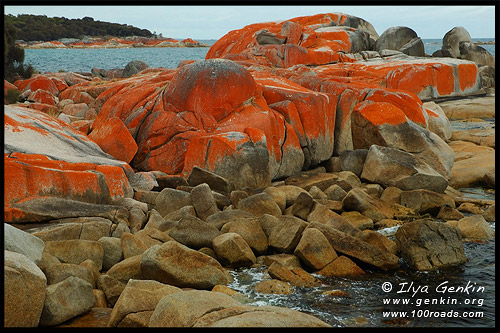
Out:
{"x": 43, "y": 28}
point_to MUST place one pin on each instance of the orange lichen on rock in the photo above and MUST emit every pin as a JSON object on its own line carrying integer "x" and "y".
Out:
{"x": 467, "y": 75}
{"x": 114, "y": 138}
{"x": 379, "y": 113}
{"x": 38, "y": 82}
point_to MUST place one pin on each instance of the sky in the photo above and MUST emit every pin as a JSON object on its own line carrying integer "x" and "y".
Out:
{"x": 213, "y": 22}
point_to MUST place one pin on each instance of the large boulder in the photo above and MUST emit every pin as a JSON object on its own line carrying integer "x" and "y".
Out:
{"x": 19, "y": 241}
{"x": 137, "y": 302}
{"x": 176, "y": 264}
{"x": 457, "y": 43}
{"x": 427, "y": 245}
{"x": 402, "y": 39}
{"x": 356, "y": 248}
{"x": 198, "y": 308}
{"x": 394, "y": 167}
{"x": 24, "y": 291}
{"x": 384, "y": 124}
{"x": 47, "y": 158}
{"x": 65, "y": 300}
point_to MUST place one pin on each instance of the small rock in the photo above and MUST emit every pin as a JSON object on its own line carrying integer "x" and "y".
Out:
{"x": 342, "y": 266}
{"x": 233, "y": 251}
{"x": 274, "y": 286}
{"x": 358, "y": 220}
{"x": 475, "y": 227}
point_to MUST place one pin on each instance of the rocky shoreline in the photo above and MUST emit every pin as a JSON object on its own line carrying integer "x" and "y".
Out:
{"x": 130, "y": 197}
{"x": 114, "y": 42}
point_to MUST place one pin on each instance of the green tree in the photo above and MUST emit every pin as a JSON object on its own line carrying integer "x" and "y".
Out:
{"x": 14, "y": 67}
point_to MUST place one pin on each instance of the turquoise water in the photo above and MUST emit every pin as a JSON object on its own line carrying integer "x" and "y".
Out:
{"x": 83, "y": 60}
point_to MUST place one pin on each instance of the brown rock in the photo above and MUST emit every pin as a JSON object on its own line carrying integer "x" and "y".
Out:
{"x": 274, "y": 287}
{"x": 314, "y": 250}
{"x": 342, "y": 266}
{"x": 233, "y": 251}
{"x": 427, "y": 245}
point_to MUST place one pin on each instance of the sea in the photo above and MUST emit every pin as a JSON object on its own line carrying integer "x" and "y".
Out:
{"x": 461, "y": 296}
{"x": 84, "y": 60}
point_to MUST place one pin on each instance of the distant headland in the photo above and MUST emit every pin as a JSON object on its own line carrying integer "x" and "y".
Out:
{"x": 111, "y": 42}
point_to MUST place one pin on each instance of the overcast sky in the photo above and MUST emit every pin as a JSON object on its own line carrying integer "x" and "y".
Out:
{"x": 212, "y": 22}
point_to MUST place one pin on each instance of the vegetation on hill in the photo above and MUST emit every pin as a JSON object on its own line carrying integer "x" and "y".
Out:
{"x": 43, "y": 28}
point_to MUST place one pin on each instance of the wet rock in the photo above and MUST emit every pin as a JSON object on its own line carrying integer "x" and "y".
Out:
{"x": 295, "y": 276}
{"x": 175, "y": 264}
{"x": 274, "y": 286}
{"x": 427, "y": 245}
{"x": 24, "y": 291}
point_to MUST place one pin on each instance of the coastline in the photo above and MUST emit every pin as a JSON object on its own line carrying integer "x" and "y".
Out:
{"x": 114, "y": 42}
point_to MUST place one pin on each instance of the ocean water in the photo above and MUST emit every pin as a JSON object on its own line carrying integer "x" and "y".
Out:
{"x": 83, "y": 60}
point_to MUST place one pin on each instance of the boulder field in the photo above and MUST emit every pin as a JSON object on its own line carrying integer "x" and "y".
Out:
{"x": 288, "y": 146}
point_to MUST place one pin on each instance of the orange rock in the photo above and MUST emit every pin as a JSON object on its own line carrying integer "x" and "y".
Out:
{"x": 45, "y": 108}
{"x": 114, "y": 138}
{"x": 8, "y": 86}
{"x": 45, "y": 157}
{"x": 38, "y": 82}
{"x": 42, "y": 96}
